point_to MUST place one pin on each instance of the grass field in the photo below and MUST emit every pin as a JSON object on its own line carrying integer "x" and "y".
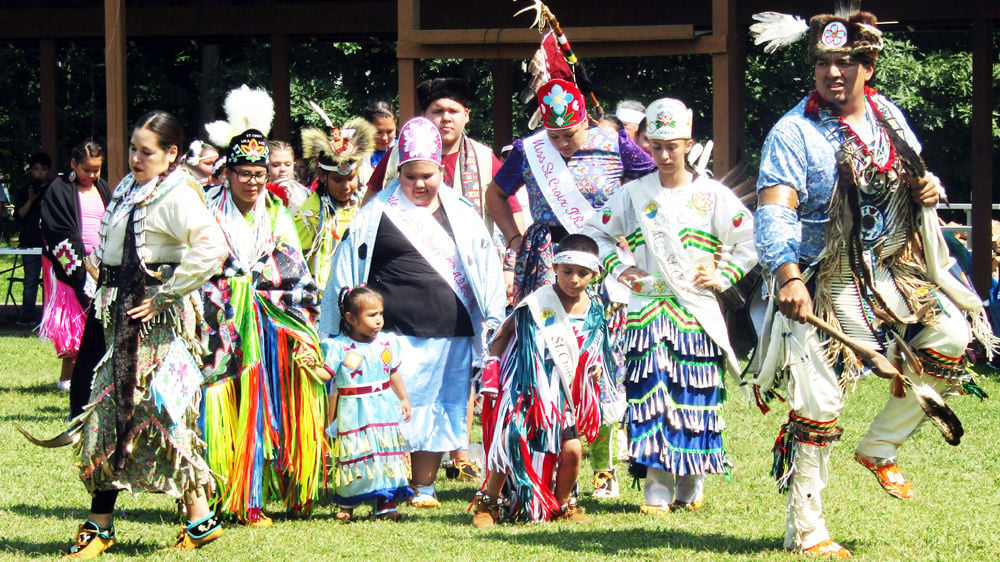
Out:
{"x": 952, "y": 516}
{"x": 11, "y": 312}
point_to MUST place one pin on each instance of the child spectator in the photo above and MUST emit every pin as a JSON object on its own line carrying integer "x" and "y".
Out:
{"x": 281, "y": 176}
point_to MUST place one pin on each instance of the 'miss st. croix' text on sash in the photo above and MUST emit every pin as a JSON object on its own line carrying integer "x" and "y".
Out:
{"x": 434, "y": 244}
{"x": 556, "y": 183}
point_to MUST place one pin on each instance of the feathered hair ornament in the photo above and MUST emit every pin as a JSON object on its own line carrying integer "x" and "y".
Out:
{"x": 193, "y": 155}
{"x": 343, "y": 149}
{"x": 776, "y": 30}
{"x": 245, "y": 109}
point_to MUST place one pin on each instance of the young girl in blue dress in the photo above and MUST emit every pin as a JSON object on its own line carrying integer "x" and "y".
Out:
{"x": 370, "y": 450}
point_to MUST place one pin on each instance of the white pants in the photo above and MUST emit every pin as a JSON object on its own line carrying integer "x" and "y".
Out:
{"x": 901, "y": 417}
{"x": 814, "y": 393}
{"x": 663, "y": 488}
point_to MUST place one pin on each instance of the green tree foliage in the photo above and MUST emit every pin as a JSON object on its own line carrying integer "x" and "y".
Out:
{"x": 929, "y": 75}
{"x": 19, "y": 121}
{"x": 341, "y": 77}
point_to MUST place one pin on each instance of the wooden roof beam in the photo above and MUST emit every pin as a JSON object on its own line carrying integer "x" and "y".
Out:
{"x": 370, "y": 17}
{"x": 706, "y": 45}
{"x": 532, "y": 37}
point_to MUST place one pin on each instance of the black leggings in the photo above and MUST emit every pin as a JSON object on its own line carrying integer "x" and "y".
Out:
{"x": 92, "y": 349}
{"x": 103, "y": 502}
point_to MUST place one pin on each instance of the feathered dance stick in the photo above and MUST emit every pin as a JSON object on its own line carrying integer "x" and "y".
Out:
{"x": 930, "y": 401}
{"x": 544, "y": 66}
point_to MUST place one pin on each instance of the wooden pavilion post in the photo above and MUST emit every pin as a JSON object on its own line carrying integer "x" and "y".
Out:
{"x": 408, "y": 18}
{"x": 280, "y": 88}
{"x": 114, "y": 56}
{"x": 728, "y": 77}
{"x": 982, "y": 154}
{"x": 503, "y": 107}
{"x": 50, "y": 124}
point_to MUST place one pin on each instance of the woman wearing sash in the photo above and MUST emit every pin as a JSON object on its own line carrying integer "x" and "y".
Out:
{"x": 569, "y": 169}
{"x": 138, "y": 432}
{"x": 427, "y": 251}
{"x": 676, "y": 343}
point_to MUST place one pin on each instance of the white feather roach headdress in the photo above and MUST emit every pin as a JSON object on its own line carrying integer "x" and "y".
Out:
{"x": 245, "y": 109}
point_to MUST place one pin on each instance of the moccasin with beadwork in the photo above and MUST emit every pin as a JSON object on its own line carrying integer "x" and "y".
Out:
{"x": 424, "y": 501}
{"x": 688, "y": 506}
{"x": 648, "y": 509}
{"x": 828, "y": 549}
{"x": 572, "y": 513}
{"x": 198, "y": 533}
{"x": 260, "y": 521}
{"x": 605, "y": 484}
{"x": 91, "y": 541}
{"x": 467, "y": 471}
{"x": 889, "y": 476}
{"x": 486, "y": 512}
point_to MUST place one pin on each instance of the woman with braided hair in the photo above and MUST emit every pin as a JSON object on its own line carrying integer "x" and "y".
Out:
{"x": 138, "y": 432}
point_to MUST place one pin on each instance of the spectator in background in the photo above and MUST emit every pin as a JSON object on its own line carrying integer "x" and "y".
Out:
{"x": 71, "y": 214}
{"x": 469, "y": 165}
{"x": 610, "y": 123}
{"x": 28, "y": 211}
{"x": 282, "y": 178}
{"x": 630, "y": 113}
{"x": 198, "y": 161}
{"x": 642, "y": 138}
{"x": 382, "y": 115}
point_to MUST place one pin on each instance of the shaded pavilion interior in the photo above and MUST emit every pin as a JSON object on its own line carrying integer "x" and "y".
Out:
{"x": 485, "y": 29}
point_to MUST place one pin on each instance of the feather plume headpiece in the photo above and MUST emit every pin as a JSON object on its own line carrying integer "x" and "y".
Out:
{"x": 554, "y": 59}
{"x": 245, "y": 109}
{"x": 193, "y": 155}
{"x": 776, "y": 30}
{"x": 343, "y": 150}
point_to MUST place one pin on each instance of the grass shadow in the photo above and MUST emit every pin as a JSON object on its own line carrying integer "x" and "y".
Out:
{"x": 461, "y": 495}
{"x": 41, "y": 418}
{"x": 48, "y": 549}
{"x": 140, "y": 515}
{"x": 585, "y": 540}
{"x": 11, "y": 330}
{"x": 44, "y": 388}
